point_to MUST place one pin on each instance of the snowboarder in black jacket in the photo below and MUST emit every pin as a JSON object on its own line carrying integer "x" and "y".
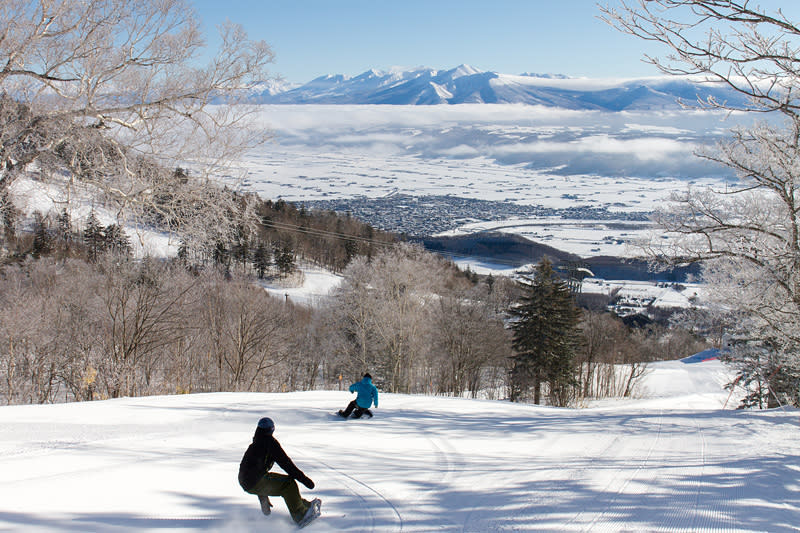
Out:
{"x": 255, "y": 477}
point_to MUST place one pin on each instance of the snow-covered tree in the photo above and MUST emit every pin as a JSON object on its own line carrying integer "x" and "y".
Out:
{"x": 735, "y": 43}
{"x": 384, "y": 315}
{"x": 117, "y": 93}
{"x": 747, "y": 234}
{"x": 93, "y": 236}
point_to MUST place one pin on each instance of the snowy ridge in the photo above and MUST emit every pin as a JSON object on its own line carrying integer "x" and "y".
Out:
{"x": 465, "y": 84}
{"x": 670, "y": 460}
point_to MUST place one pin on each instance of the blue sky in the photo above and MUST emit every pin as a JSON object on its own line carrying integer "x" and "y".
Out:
{"x": 315, "y": 37}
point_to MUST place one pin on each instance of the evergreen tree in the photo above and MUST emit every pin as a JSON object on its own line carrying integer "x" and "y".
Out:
{"x": 93, "y": 236}
{"x": 240, "y": 246}
{"x": 261, "y": 260}
{"x": 284, "y": 259}
{"x": 350, "y": 251}
{"x": 183, "y": 253}
{"x": 41, "y": 236}
{"x": 8, "y": 216}
{"x": 64, "y": 221}
{"x": 546, "y": 338}
{"x": 116, "y": 241}
{"x": 221, "y": 254}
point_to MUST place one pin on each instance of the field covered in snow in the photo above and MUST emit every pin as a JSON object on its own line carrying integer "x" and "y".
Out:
{"x": 575, "y": 163}
{"x": 570, "y": 160}
{"x": 670, "y": 460}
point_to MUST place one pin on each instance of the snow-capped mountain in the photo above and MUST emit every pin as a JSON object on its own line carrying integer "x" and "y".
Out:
{"x": 466, "y": 84}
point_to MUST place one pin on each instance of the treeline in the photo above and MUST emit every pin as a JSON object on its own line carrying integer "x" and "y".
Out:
{"x": 283, "y": 236}
{"x": 72, "y": 329}
{"x": 324, "y": 238}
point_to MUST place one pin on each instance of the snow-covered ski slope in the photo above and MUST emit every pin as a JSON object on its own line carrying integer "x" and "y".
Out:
{"x": 672, "y": 460}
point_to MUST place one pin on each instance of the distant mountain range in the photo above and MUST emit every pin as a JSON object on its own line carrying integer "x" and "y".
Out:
{"x": 467, "y": 85}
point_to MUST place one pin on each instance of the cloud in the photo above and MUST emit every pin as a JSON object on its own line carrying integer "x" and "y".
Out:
{"x": 651, "y": 149}
{"x": 645, "y": 144}
{"x": 461, "y": 151}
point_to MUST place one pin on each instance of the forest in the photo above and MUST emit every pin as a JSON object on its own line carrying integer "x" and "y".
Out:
{"x": 82, "y": 319}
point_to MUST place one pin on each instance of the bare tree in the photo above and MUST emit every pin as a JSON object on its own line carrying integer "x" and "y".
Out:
{"x": 748, "y": 234}
{"x": 386, "y": 304}
{"x": 115, "y": 92}
{"x": 140, "y": 306}
{"x": 249, "y": 333}
{"x": 469, "y": 340}
{"x": 603, "y": 336}
{"x": 735, "y": 43}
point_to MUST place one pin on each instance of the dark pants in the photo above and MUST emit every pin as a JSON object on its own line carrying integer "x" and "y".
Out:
{"x": 281, "y": 485}
{"x": 357, "y": 411}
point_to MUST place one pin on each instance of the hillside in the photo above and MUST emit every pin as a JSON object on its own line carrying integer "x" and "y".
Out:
{"x": 512, "y": 250}
{"x": 670, "y": 460}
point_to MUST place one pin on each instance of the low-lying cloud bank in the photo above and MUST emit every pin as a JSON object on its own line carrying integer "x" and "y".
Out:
{"x": 559, "y": 141}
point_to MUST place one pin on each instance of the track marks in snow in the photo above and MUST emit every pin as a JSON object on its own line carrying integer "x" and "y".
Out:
{"x": 378, "y": 512}
{"x": 614, "y": 511}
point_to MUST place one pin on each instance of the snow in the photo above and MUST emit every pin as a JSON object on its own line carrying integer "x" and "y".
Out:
{"x": 627, "y": 163}
{"x": 637, "y": 296}
{"x": 307, "y": 287}
{"x": 675, "y": 457}
{"x": 31, "y": 195}
{"x": 467, "y": 84}
{"x": 584, "y": 237}
{"x": 624, "y": 162}
{"x": 669, "y": 460}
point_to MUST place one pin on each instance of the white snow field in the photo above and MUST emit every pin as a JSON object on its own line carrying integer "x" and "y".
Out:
{"x": 671, "y": 460}
{"x": 626, "y": 162}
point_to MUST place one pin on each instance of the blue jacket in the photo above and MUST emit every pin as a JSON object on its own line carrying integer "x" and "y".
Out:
{"x": 367, "y": 393}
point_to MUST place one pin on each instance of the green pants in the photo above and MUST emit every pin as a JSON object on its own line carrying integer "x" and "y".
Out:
{"x": 286, "y": 487}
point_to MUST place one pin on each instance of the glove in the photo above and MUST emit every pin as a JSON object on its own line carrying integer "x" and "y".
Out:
{"x": 307, "y": 482}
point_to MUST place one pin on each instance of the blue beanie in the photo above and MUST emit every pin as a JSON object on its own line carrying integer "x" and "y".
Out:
{"x": 268, "y": 424}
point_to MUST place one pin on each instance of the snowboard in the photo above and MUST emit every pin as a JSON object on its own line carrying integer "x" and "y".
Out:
{"x": 338, "y": 414}
{"x": 313, "y": 512}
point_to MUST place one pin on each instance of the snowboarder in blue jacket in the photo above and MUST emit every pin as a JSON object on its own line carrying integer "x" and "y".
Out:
{"x": 367, "y": 394}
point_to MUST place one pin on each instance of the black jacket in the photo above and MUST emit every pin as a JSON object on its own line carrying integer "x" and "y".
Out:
{"x": 259, "y": 458}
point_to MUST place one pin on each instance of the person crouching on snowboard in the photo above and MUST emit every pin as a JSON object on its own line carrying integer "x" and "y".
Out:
{"x": 367, "y": 394}
{"x": 255, "y": 477}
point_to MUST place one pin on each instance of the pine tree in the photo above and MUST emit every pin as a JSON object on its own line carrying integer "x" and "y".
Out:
{"x": 8, "y": 216}
{"x": 261, "y": 260}
{"x": 221, "y": 255}
{"x": 546, "y": 338}
{"x": 116, "y": 241}
{"x": 284, "y": 259}
{"x": 41, "y": 236}
{"x": 350, "y": 251}
{"x": 183, "y": 253}
{"x": 64, "y": 221}
{"x": 240, "y": 246}
{"x": 93, "y": 236}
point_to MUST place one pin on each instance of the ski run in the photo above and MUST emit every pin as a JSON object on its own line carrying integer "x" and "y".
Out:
{"x": 673, "y": 459}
